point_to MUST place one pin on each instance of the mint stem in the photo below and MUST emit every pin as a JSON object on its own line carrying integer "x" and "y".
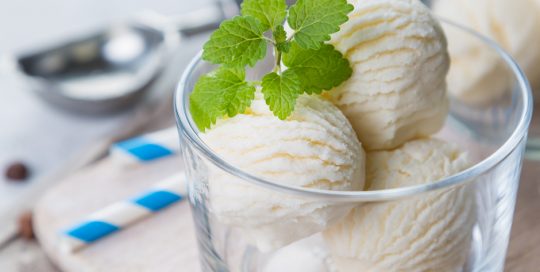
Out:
{"x": 278, "y": 61}
{"x": 277, "y": 53}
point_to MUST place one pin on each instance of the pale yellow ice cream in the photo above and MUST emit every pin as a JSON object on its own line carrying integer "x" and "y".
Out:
{"x": 429, "y": 232}
{"x": 398, "y": 53}
{"x": 477, "y": 74}
{"x": 315, "y": 147}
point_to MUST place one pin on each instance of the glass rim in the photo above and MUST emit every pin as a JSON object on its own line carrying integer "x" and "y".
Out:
{"x": 188, "y": 128}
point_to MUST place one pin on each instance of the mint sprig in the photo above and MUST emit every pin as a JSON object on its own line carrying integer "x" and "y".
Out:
{"x": 311, "y": 65}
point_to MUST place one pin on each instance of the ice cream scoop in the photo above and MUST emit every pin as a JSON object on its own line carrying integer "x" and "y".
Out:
{"x": 477, "y": 74}
{"x": 397, "y": 91}
{"x": 429, "y": 232}
{"x": 315, "y": 147}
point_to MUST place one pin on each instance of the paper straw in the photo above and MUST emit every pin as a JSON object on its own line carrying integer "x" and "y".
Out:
{"x": 120, "y": 215}
{"x": 146, "y": 148}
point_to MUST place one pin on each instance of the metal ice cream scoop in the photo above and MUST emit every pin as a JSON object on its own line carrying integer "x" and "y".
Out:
{"x": 110, "y": 70}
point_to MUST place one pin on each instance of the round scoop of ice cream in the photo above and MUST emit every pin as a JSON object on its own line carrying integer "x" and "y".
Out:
{"x": 399, "y": 58}
{"x": 315, "y": 147}
{"x": 428, "y": 232}
{"x": 477, "y": 74}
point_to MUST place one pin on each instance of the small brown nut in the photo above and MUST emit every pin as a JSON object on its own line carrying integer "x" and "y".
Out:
{"x": 26, "y": 229}
{"x": 17, "y": 171}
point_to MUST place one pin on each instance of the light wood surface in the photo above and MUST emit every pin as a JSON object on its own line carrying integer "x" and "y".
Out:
{"x": 163, "y": 242}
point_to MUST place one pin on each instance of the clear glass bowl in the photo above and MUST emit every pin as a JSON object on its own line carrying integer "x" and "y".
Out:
{"x": 494, "y": 135}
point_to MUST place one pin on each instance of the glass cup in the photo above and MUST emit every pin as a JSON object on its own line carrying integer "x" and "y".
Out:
{"x": 494, "y": 136}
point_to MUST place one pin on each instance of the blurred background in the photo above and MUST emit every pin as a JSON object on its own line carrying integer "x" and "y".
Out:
{"x": 79, "y": 75}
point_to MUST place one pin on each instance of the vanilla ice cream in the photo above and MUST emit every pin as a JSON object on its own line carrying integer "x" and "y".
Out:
{"x": 478, "y": 74}
{"x": 315, "y": 147}
{"x": 428, "y": 232}
{"x": 398, "y": 53}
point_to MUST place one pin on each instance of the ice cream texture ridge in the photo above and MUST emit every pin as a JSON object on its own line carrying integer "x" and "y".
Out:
{"x": 314, "y": 148}
{"x": 398, "y": 53}
{"x": 372, "y": 132}
{"x": 429, "y": 232}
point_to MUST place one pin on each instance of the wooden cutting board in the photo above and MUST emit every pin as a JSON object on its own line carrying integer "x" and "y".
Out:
{"x": 163, "y": 242}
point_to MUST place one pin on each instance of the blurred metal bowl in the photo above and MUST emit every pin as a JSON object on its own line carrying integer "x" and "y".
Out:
{"x": 101, "y": 73}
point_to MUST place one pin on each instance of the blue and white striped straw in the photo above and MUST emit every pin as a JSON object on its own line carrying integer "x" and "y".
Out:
{"x": 120, "y": 215}
{"x": 146, "y": 148}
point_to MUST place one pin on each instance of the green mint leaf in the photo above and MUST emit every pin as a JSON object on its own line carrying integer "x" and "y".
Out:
{"x": 271, "y": 13}
{"x": 224, "y": 92}
{"x": 238, "y": 41}
{"x": 318, "y": 69}
{"x": 313, "y": 66}
{"x": 236, "y": 91}
{"x": 203, "y": 110}
{"x": 280, "y": 92}
{"x": 280, "y": 36}
{"x": 284, "y": 46}
{"x": 314, "y": 20}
